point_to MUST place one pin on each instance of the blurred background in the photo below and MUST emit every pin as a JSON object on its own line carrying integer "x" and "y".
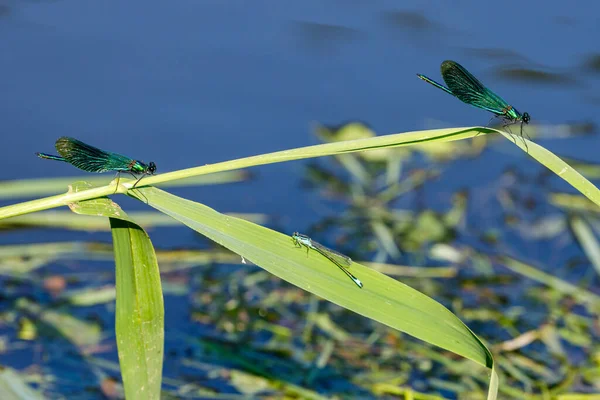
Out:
{"x": 478, "y": 225}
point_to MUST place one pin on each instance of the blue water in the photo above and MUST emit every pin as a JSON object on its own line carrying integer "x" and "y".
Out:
{"x": 185, "y": 83}
{"x": 192, "y": 82}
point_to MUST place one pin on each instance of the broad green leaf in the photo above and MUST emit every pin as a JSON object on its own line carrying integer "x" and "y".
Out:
{"x": 382, "y": 298}
{"x": 139, "y": 311}
{"x": 139, "y": 308}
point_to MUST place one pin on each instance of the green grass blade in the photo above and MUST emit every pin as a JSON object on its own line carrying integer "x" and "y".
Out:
{"x": 67, "y": 220}
{"x": 38, "y": 187}
{"x": 382, "y": 298}
{"x": 586, "y": 238}
{"x": 79, "y": 332}
{"x": 139, "y": 308}
{"x": 13, "y": 386}
{"x": 544, "y": 156}
{"x": 328, "y": 149}
{"x": 380, "y": 142}
{"x": 579, "y": 293}
{"x": 139, "y": 311}
{"x": 558, "y": 166}
{"x": 573, "y": 202}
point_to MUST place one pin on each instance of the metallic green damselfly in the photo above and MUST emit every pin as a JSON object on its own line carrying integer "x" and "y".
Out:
{"x": 463, "y": 85}
{"x": 92, "y": 159}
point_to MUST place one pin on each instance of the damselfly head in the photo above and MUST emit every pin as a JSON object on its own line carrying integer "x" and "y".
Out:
{"x": 151, "y": 168}
{"x": 526, "y": 117}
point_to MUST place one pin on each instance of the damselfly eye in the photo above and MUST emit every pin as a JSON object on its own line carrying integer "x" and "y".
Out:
{"x": 151, "y": 168}
{"x": 526, "y": 118}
